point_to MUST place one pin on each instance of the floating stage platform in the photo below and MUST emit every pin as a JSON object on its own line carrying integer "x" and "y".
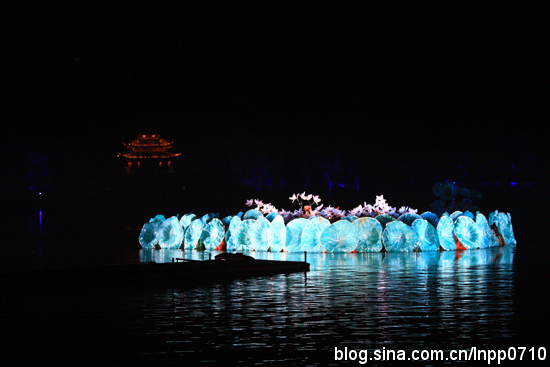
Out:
{"x": 181, "y": 273}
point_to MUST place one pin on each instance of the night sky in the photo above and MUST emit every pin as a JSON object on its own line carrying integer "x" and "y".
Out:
{"x": 272, "y": 101}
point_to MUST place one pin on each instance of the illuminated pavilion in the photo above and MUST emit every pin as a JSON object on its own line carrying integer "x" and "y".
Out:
{"x": 149, "y": 150}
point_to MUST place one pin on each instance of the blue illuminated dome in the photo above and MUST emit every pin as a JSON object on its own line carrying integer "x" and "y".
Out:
{"x": 294, "y": 235}
{"x": 243, "y": 235}
{"x": 341, "y": 236}
{"x": 399, "y": 237}
{"x": 148, "y": 237}
{"x": 229, "y": 234}
{"x": 446, "y": 234}
{"x": 193, "y": 233}
{"x": 427, "y": 235}
{"x": 357, "y": 232}
{"x": 212, "y": 234}
{"x": 311, "y": 234}
{"x": 170, "y": 234}
{"x": 260, "y": 234}
{"x": 277, "y": 234}
{"x": 369, "y": 231}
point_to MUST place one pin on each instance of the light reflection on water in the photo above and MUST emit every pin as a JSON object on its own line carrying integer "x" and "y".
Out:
{"x": 437, "y": 300}
{"x": 430, "y": 300}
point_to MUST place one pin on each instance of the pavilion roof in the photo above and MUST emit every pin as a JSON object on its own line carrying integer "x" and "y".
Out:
{"x": 149, "y": 147}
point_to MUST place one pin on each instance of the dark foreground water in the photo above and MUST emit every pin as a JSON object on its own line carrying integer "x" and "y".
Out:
{"x": 382, "y": 303}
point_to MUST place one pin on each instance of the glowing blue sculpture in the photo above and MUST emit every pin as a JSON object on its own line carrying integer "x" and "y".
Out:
{"x": 148, "y": 236}
{"x": 492, "y": 217}
{"x": 285, "y": 232}
{"x": 271, "y": 216}
{"x": 504, "y": 225}
{"x": 311, "y": 234}
{"x": 432, "y": 218}
{"x": 192, "y": 234}
{"x": 399, "y": 237}
{"x": 446, "y": 233}
{"x": 277, "y": 234}
{"x": 469, "y": 214}
{"x": 206, "y": 219}
{"x": 341, "y": 236}
{"x": 171, "y": 234}
{"x": 158, "y": 217}
{"x": 230, "y": 233}
{"x": 212, "y": 234}
{"x": 226, "y": 221}
{"x": 252, "y": 214}
{"x": 369, "y": 232}
{"x": 156, "y": 222}
{"x": 243, "y": 240}
{"x": 468, "y": 232}
{"x": 384, "y": 219}
{"x": 487, "y": 236}
{"x": 259, "y": 234}
{"x": 512, "y": 236}
{"x": 294, "y": 234}
{"x": 408, "y": 218}
{"x": 427, "y": 235}
{"x": 186, "y": 220}
{"x": 455, "y": 215}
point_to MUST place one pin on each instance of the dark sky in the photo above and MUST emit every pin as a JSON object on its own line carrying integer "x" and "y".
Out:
{"x": 394, "y": 85}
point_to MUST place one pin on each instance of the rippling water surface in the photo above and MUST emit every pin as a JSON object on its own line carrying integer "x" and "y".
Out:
{"x": 431, "y": 300}
{"x": 360, "y": 301}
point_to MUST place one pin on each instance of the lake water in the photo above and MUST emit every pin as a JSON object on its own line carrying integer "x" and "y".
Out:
{"x": 355, "y": 301}
{"x": 488, "y": 299}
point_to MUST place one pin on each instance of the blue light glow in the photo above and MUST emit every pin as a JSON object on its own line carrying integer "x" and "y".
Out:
{"x": 367, "y": 234}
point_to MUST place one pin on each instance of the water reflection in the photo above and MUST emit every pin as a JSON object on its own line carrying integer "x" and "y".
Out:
{"x": 442, "y": 300}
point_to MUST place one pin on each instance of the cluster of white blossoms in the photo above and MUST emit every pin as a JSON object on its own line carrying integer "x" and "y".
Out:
{"x": 305, "y": 196}
{"x": 264, "y": 208}
{"x": 380, "y": 207}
